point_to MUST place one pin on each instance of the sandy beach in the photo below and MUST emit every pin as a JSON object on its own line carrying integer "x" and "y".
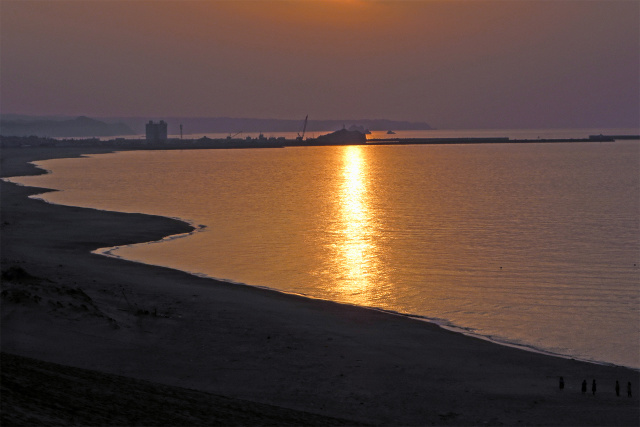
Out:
{"x": 88, "y": 339}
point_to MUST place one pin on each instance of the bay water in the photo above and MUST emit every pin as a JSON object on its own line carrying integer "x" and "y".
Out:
{"x": 535, "y": 245}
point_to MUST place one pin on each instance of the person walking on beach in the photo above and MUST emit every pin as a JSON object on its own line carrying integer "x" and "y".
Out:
{"x": 584, "y": 386}
{"x": 593, "y": 387}
{"x": 629, "y": 389}
{"x": 561, "y": 383}
{"x": 617, "y": 389}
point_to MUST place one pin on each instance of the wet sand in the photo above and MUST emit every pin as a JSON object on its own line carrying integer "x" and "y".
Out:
{"x": 255, "y": 356}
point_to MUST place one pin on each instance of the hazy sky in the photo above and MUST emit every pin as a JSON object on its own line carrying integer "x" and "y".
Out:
{"x": 467, "y": 64}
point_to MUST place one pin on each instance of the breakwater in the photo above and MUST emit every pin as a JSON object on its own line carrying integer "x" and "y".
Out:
{"x": 209, "y": 143}
{"x": 496, "y": 140}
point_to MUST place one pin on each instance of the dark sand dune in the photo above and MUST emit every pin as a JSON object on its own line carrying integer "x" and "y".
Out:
{"x": 41, "y": 393}
{"x": 200, "y": 351}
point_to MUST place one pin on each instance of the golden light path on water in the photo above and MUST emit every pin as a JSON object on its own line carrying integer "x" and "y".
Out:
{"x": 356, "y": 246}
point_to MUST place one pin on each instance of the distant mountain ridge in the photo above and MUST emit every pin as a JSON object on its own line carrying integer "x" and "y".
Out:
{"x": 80, "y": 127}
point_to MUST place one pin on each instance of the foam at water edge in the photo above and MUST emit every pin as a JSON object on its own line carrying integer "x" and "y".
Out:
{"x": 109, "y": 251}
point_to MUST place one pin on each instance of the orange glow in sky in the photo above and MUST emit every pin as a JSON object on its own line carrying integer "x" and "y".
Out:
{"x": 449, "y": 63}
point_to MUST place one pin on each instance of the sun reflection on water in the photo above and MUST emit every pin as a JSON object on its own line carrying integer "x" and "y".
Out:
{"x": 356, "y": 244}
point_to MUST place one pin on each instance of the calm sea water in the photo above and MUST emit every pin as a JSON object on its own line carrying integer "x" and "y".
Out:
{"x": 535, "y": 245}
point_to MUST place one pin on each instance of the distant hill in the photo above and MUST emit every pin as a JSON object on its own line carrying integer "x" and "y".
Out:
{"x": 80, "y": 127}
{"x": 194, "y": 125}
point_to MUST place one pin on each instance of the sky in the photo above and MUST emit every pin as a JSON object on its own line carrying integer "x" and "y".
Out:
{"x": 451, "y": 63}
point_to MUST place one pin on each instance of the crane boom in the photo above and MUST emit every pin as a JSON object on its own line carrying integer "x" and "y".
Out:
{"x": 304, "y": 129}
{"x": 234, "y": 135}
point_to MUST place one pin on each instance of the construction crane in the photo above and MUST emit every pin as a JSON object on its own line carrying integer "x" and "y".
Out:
{"x": 304, "y": 129}
{"x": 234, "y": 135}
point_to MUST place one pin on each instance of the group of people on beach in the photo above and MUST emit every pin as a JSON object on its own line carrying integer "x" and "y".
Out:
{"x": 594, "y": 387}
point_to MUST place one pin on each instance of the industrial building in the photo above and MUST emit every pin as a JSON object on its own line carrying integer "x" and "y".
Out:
{"x": 156, "y": 131}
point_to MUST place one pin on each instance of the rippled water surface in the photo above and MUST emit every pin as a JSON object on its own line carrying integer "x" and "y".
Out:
{"x": 532, "y": 244}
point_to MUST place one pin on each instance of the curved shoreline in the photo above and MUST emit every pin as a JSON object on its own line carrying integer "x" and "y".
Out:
{"x": 240, "y": 341}
{"x": 440, "y": 322}
{"x": 108, "y": 250}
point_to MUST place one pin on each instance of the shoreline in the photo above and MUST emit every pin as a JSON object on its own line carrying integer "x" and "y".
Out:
{"x": 246, "y": 342}
{"x": 445, "y": 324}
{"x": 440, "y": 322}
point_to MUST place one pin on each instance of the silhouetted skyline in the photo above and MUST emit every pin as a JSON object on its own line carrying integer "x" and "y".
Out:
{"x": 490, "y": 64}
